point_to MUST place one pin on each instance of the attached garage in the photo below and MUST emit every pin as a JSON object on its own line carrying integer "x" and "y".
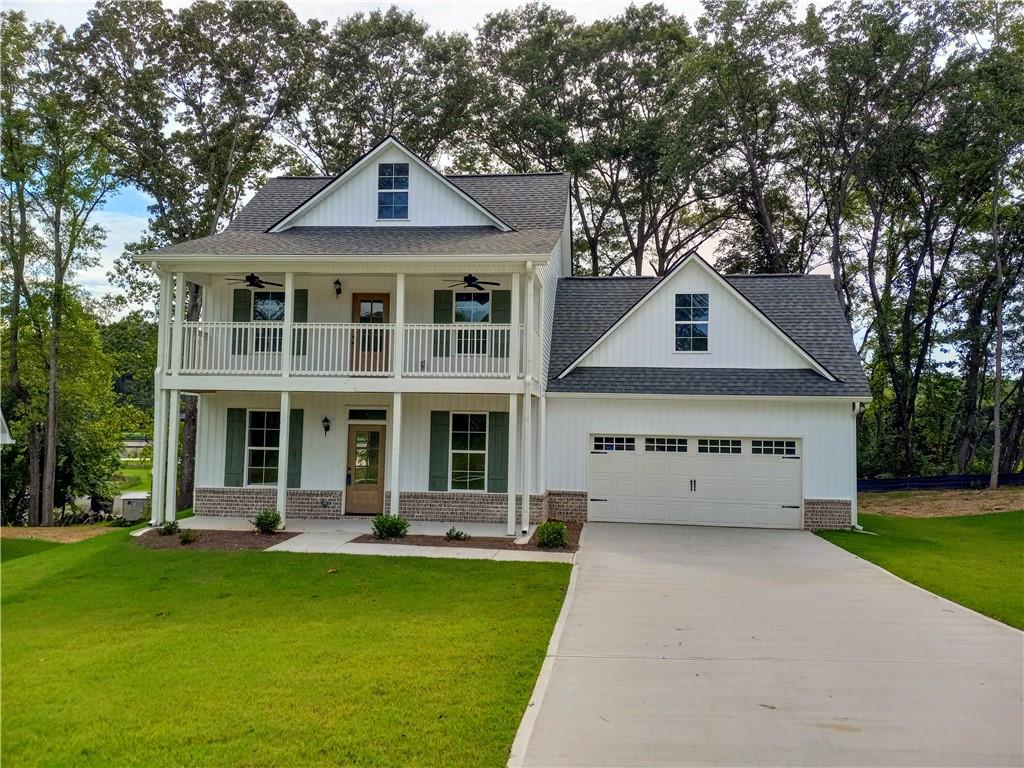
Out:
{"x": 696, "y": 480}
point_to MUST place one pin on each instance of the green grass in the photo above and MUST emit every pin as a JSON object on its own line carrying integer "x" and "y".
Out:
{"x": 134, "y": 476}
{"x": 117, "y": 655}
{"x": 11, "y": 549}
{"x": 977, "y": 561}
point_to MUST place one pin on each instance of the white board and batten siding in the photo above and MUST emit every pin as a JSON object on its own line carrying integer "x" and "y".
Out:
{"x": 824, "y": 429}
{"x": 738, "y": 336}
{"x": 353, "y": 203}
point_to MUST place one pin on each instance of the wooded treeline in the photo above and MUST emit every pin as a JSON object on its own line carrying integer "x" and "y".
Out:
{"x": 878, "y": 141}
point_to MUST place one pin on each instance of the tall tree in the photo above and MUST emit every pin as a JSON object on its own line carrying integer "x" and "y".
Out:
{"x": 195, "y": 96}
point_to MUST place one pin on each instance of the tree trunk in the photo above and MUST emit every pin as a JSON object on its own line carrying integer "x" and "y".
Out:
{"x": 34, "y": 475}
{"x": 993, "y": 481}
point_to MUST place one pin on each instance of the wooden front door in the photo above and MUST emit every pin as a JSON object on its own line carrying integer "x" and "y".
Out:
{"x": 369, "y": 344}
{"x": 365, "y": 490}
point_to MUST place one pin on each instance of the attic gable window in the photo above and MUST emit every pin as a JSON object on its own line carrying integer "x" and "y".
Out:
{"x": 692, "y": 314}
{"x": 393, "y": 191}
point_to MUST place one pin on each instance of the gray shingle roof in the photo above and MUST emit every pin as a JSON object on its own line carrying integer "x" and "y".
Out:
{"x": 533, "y": 204}
{"x": 369, "y": 241}
{"x": 804, "y": 307}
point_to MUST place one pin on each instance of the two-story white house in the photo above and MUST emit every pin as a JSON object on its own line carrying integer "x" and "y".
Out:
{"x": 395, "y": 340}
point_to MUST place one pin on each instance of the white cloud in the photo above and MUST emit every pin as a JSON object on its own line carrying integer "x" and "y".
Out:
{"x": 121, "y": 228}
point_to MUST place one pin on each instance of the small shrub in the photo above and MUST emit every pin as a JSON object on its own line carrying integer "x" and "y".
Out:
{"x": 390, "y": 527}
{"x": 267, "y": 521}
{"x": 552, "y": 535}
{"x": 188, "y": 535}
{"x": 169, "y": 528}
{"x": 454, "y": 534}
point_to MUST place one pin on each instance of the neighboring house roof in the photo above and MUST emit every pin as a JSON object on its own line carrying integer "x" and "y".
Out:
{"x": 804, "y": 307}
{"x": 531, "y": 204}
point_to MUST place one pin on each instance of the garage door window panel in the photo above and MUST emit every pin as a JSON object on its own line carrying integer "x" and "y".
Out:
{"x": 665, "y": 444}
{"x": 773, "y": 447}
{"x": 614, "y": 443}
{"x": 718, "y": 445}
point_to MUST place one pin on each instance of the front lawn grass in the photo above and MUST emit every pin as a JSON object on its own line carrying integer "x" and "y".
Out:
{"x": 11, "y": 549}
{"x": 114, "y": 654}
{"x": 134, "y": 476}
{"x": 977, "y": 561}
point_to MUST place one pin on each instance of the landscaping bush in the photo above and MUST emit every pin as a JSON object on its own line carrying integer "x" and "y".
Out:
{"x": 188, "y": 535}
{"x": 454, "y": 534}
{"x": 267, "y": 521}
{"x": 390, "y": 527}
{"x": 168, "y": 529}
{"x": 552, "y": 535}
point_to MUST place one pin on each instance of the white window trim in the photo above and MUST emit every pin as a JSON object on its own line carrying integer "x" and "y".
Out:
{"x": 451, "y": 451}
{"x": 676, "y": 323}
{"x": 245, "y": 475}
{"x": 407, "y": 190}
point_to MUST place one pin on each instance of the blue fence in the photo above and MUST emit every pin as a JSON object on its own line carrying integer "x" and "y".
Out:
{"x": 937, "y": 482}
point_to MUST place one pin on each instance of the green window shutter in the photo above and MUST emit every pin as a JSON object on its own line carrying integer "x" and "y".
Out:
{"x": 295, "y": 448}
{"x": 440, "y": 424}
{"x": 443, "y": 306}
{"x": 301, "y": 315}
{"x": 234, "y": 454}
{"x": 241, "y": 312}
{"x": 497, "y": 452}
{"x": 501, "y": 312}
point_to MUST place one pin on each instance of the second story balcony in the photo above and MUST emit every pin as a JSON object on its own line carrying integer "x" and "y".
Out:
{"x": 350, "y": 349}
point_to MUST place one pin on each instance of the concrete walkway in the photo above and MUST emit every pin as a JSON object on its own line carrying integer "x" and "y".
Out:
{"x": 716, "y": 646}
{"x": 335, "y": 537}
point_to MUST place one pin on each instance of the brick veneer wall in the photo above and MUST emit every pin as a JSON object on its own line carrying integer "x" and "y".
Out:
{"x": 459, "y": 507}
{"x": 301, "y": 503}
{"x": 827, "y": 514}
{"x": 567, "y": 506}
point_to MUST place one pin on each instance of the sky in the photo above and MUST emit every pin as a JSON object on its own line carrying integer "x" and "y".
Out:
{"x": 124, "y": 217}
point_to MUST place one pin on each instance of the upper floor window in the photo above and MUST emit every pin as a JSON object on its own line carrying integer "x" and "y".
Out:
{"x": 393, "y": 191}
{"x": 472, "y": 307}
{"x": 267, "y": 306}
{"x": 691, "y": 322}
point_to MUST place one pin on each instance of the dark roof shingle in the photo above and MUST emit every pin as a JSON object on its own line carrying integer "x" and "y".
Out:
{"x": 804, "y": 307}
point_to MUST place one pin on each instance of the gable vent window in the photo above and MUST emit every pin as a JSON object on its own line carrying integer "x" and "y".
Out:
{"x": 692, "y": 315}
{"x": 665, "y": 444}
{"x": 393, "y": 191}
{"x": 614, "y": 443}
{"x": 715, "y": 445}
{"x": 773, "y": 447}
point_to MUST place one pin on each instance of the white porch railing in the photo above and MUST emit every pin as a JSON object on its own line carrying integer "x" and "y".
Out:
{"x": 479, "y": 350}
{"x": 349, "y": 349}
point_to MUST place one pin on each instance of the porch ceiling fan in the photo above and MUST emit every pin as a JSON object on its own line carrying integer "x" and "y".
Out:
{"x": 472, "y": 281}
{"x": 253, "y": 281}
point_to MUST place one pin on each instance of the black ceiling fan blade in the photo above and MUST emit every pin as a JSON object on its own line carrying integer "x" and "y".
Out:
{"x": 267, "y": 282}
{"x": 477, "y": 286}
{"x": 455, "y": 285}
{"x": 486, "y": 282}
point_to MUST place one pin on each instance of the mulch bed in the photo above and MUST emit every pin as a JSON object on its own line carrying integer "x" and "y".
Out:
{"x": 481, "y": 542}
{"x": 222, "y": 540}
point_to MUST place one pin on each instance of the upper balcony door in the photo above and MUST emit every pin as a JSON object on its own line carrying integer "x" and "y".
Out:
{"x": 370, "y": 344}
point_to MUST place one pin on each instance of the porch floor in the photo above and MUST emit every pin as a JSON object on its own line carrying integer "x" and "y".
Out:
{"x": 335, "y": 537}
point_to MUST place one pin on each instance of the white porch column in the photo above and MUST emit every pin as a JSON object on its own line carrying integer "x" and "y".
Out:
{"x": 282, "y": 455}
{"x": 286, "y": 330}
{"x": 531, "y": 349}
{"x": 159, "y": 460}
{"x": 171, "y": 482}
{"x": 513, "y": 457}
{"x": 399, "y": 342}
{"x": 542, "y": 439}
{"x": 527, "y": 455}
{"x": 514, "y": 351}
{"x": 179, "y": 318}
{"x": 396, "y": 452}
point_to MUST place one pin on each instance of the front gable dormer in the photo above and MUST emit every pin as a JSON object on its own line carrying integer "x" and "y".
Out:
{"x": 390, "y": 186}
{"x": 694, "y": 318}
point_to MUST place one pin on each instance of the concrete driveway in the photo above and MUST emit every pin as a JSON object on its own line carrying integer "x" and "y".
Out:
{"x": 722, "y": 646}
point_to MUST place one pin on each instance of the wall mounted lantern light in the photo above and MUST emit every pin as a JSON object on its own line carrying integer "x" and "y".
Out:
{"x": 337, "y": 287}
{"x": 326, "y": 423}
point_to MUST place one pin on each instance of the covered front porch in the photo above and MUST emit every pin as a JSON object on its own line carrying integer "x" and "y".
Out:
{"x": 333, "y": 458}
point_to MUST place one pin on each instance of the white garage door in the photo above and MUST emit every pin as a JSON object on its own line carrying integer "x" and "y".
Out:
{"x": 696, "y": 480}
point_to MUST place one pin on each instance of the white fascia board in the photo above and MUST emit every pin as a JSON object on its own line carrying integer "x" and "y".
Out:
{"x": 342, "y": 178}
{"x": 744, "y": 301}
{"x": 663, "y": 396}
